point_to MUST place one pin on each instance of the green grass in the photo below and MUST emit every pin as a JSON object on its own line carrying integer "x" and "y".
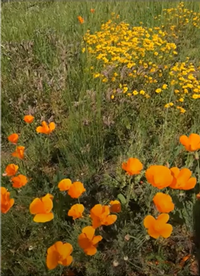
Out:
{"x": 44, "y": 72}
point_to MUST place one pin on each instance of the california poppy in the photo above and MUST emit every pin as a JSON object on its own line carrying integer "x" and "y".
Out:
{"x": 159, "y": 176}
{"x": 64, "y": 184}
{"x": 28, "y": 119}
{"x": 191, "y": 143}
{"x": 158, "y": 227}
{"x": 88, "y": 241}
{"x": 163, "y": 203}
{"x": 76, "y": 211}
{"x": 11, "y": 170}
{"x": 92, "y": 10}
{"x": 13, "y": 138}
{"x": 19, "y": 181}
{"x": 59, "y": 253}
{"x": 42, "y": 208}
{"x": 80, "y": 19}
{"x": 115, "y": 206}
{"x": 182, "y": 179}
{"x": 19, "y": 152}
{"x": 6, "y": 201}
{"x": 76, "y": 189}
{"x": 45, "y": 128}
{"x": 133, "y": 166}
{"x": 100, "y": 215}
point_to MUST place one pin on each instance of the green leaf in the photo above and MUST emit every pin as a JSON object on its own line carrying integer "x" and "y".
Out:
{"x": 122, "y": 199}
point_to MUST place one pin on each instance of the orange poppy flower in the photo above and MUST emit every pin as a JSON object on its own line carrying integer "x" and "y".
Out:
{"x": 76, "y": 189}
{"x": 11, "y": 170}
{"x": 115, "y": 206}
{"x": 163, "y": 203}
{"x": 45, "y": 128}
{"x": 41, "y": 208}
{"x": 19, "y": 152}
{"x": 182, "y": 179}
{"x": 132, "y": 166}
{"x": 158, "y": 227}
{"x": 64, "y": 184}
{"x": 59, "y": 253}
{"x": 76, "y": 211}
{"x": 92, "y": 10}
{"x": 19, "y": 181}
{"x": 159, "y": 176}
{"x": 190, "y": 143}
{"x": 80, "y": 19}
{"x": 6, "y": 201}
{"x": 88, "y": 241}
{"x": 13, "y": 138}
{"x": 100, "y": 215}
{"x": 28, "y": 119}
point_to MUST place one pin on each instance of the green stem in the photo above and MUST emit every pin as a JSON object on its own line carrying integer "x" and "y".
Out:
{"x": 130, "y": 191}
{"x": 198, "y": 165}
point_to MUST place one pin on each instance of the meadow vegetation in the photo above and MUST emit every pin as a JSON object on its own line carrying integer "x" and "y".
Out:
{"x": 100, "y": 138}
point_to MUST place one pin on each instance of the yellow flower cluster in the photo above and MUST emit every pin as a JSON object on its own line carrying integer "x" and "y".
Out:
{"x": 178, "y": 18}
{"x": 130, "y": 54}
{"x": 184, "y": 78}
{"x": 139, "y": 61}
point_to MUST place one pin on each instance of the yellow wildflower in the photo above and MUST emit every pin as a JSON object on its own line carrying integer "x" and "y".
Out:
{"x": 135, "y": 92}
{"x": 158, "y": 90}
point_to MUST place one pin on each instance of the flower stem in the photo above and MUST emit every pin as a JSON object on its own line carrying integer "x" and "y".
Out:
{"x": 130, "y": 191}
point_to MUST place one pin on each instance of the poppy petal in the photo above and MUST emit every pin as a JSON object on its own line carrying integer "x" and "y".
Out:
{"x": 163, "y": 218}
{"x": 52, "y": 259}
{"x": 110, "y": 219}
{"x": 36, "y": 206}
{"x": 97, "y": 239}
{"x": 47, "y": 203}
{"x": 184, "y": 140}
{"x": 96, "y": 222}
{"x": 89, "y": 232}
{"x": 96, "y": 210}
{"x": 40, "y": 129}
{"x": 184, "y": 174}
{"x": 67, "y": 261}
{"x": 175, "y": 171}
{"x": 166, "y": 231}
{"x": 149, "y": 174}
{"x": 52, "y": 126}
{"x": 67, "y": 247}
{"x": 149, "y": 221}
{"x": 194, "y": 141}
{"x": 50, "y": 196}
{"x": 190, "y": 184}
{"x": 58, "y": 246}
{"x": 83, "y": 241}
{"x": 43, "y": 217}
{"x": 3, "y": 190}
{"x": 153, "y": 233}
{"x": 90, "y": 250}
